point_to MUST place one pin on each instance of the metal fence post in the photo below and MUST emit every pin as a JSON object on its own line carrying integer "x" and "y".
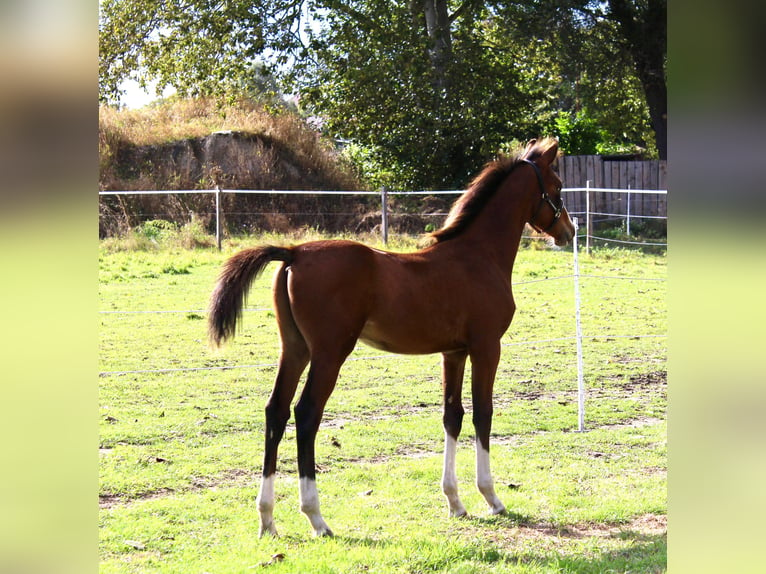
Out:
{"x": 218, "y": 217}
{"x": 628, "y": 225}
{"x": 384, "y": 213}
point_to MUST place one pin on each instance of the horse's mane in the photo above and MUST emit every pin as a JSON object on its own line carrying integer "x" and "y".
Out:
{"x": 481, "y": 190}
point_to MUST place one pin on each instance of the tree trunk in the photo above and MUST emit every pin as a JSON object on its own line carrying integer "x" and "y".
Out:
{"x": 644, "y": 31}
{"x": 440, "y": 42}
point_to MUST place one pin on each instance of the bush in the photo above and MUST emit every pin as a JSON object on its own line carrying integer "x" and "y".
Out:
{"x": 159, "y": 234}
{"x": 578, "y": 133}
{"x": 156, "y": 229}
{"x": 581, "y": 134}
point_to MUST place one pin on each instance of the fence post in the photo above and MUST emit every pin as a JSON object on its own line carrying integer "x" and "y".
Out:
{"x": 218, "y": 217}
{"x": 588, "y": 221}
{"x": 628, "y": 227}
{"x": 578, "y": 331}
{"x": 384, "y": 213}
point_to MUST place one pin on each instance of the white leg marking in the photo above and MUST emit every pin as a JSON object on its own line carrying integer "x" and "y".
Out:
{"x": 309, "y": 498}
{"x": 449, "y": 477}
{"x": 484, "y": 481}
{"x": 265, "y": 503}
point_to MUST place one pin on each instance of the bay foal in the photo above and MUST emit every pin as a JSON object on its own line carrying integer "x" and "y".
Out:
{"x": 453, "y": 297}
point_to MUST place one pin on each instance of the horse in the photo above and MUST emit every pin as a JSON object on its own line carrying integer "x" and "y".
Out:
{"x": 451, "y": 297}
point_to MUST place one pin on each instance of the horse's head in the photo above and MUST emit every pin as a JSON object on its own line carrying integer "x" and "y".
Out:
{"x": 548, "y": 213}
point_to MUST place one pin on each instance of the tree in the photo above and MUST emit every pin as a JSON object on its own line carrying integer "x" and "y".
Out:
{"x": 611, "y": 56}
{"x": 436, "y": 87}
{"x": 429, "y": 88}
{"x": 574, "y": 51}
{"x": 411, "y": 79}
{"x": 200, "y": 47}
{"x": 643, "y": 25}
{"x": 417, "y": 83}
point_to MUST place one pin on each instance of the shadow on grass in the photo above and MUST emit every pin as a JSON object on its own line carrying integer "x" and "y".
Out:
{"x": 648, "y": 553}
{"x": 643, "y": 553}
{"x": 572, "y": 548}
{"x": 507, "y": 519}
{"x": 505, "y": 543}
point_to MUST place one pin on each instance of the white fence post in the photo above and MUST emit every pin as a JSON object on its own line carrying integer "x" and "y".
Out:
{"x": 628, "y": 225}
{"x": 218, "y": 217}
{"x": 588, "y": 222}
{"x": 578, "y": 330}
{"x": 384, "y": 213}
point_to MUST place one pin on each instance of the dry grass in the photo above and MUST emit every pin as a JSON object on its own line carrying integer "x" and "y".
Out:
{"x": 190, "y": 118}
{"x": 180, "y": 120}
{"x": 167, "y": 147}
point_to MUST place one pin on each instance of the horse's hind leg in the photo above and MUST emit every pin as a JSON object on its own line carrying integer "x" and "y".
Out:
{"x": 292, "y": 362}
{"x": 277, "y": 414}
{"x": 322, "y": 377}
{"x": 453, "y": 367}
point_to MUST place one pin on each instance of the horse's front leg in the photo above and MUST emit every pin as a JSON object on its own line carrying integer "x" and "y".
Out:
{"x": 483, "y": 369}
{"x": 453, "y": 367}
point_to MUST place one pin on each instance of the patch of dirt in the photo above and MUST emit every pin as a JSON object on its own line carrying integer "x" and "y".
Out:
{"x": 633, "y": 423}
{"x": 112, "y": 500}
{"x": 643, "y": 380}
{"x": 645, "y": 526}
{"x": 229, "y": 478}
{"x": 627, "y": 359}
{"x": 650, "y": 524}
{"x": 240, "y": 477}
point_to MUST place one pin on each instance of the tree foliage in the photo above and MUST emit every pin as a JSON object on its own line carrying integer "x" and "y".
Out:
{"x": 427, "y": 90}
{"x": 431, "y": 108}
{"x": 199, "y": 47}
{"x": 643, "y": 35}
{"x": 584, "y": 43}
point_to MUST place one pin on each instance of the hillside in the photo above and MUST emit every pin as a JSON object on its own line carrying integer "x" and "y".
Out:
{"x": 197, "y": 144}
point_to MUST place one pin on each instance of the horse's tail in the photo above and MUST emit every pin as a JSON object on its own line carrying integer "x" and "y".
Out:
{"x": 230, "y": 293}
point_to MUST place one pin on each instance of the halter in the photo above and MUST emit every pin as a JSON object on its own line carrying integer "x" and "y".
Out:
{"x": 557, "y": 209}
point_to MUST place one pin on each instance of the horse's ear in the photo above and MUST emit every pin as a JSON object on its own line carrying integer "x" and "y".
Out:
{"x": 550, "y": 154}
{"x": 530, "y": 145}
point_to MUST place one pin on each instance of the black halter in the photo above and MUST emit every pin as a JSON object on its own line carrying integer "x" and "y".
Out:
{"x": 557, "y": 209}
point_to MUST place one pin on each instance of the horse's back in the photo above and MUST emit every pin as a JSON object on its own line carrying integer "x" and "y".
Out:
{"x": 413, "y": 303}
{"x": 332, "y": 267}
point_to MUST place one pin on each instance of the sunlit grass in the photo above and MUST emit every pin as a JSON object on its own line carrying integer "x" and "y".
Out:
{"x": 180, "y": 450}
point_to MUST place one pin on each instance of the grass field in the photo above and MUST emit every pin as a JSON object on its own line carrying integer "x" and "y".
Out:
{"x": 181, "y": 432}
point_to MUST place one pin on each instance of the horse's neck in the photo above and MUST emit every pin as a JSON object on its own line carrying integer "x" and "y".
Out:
{"x": 497, "y": 229}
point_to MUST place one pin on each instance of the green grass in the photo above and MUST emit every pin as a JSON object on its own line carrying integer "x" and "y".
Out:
{"x": 181, "y": 449}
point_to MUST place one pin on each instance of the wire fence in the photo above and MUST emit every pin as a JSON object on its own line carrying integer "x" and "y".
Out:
{"x": 578, "y": 336}
{"x": 627, "y": 226}
{"x": 621, "y": 224}
{"x": 629, "y": 215}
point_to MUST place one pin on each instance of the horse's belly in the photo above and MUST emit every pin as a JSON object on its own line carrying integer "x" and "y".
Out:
{"x": 407, "y": 342}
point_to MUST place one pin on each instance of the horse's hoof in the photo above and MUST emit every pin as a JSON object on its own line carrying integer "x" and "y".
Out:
{"x": 324, "y": 532}
{"x": 495, "y": 511}
{"x": 268, "y": 530}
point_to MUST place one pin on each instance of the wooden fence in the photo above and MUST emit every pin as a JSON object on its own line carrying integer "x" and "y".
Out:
{"x": 595, "y": 171}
